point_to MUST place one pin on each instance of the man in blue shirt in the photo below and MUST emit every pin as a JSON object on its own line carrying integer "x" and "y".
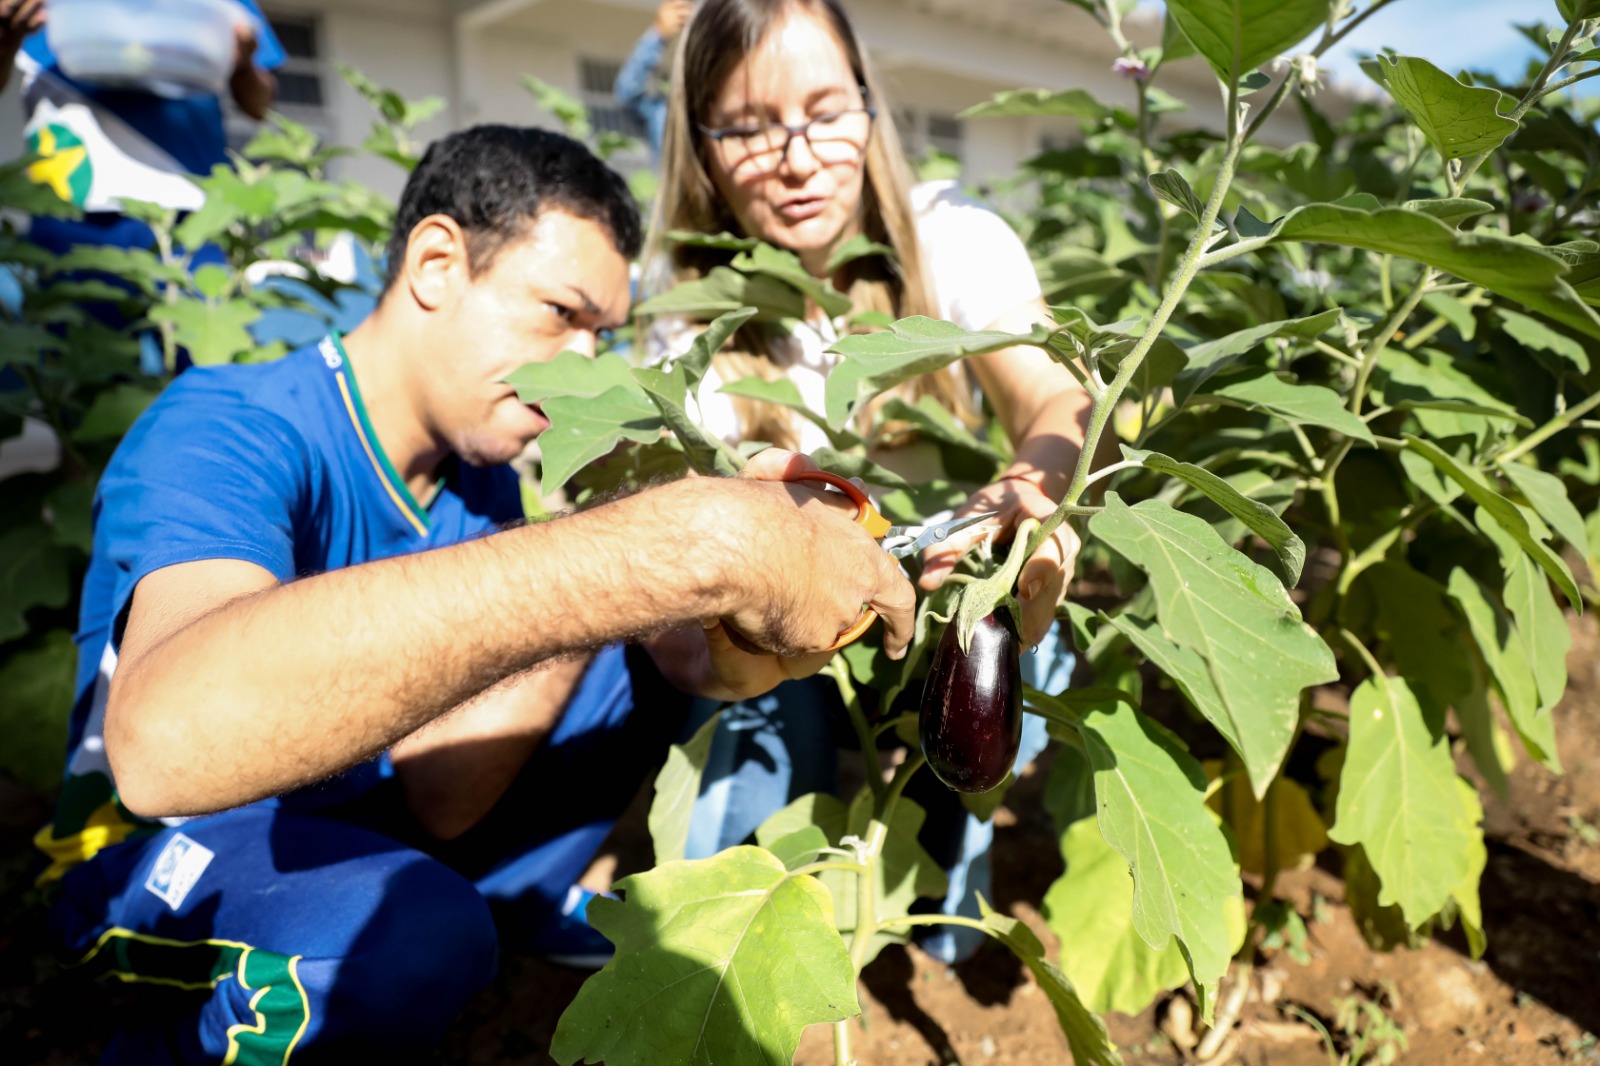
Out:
{"x": 303, "y": 611}
{"x": 101, "y": 144}
{"x": 641, "y": 80}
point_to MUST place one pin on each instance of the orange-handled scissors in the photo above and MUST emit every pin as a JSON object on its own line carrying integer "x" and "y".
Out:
{"x": 898, "y": 541}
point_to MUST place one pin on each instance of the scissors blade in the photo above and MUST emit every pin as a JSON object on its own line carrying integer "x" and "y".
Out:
{"x": 933, "y": 534}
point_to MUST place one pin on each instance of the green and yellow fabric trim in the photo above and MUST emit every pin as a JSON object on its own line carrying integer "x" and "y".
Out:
{"x": 282, "y": 1009}
{"x": 393, "y": 484}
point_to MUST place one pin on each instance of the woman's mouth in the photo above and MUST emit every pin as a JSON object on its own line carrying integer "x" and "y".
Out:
{"x": 801, "y": 208}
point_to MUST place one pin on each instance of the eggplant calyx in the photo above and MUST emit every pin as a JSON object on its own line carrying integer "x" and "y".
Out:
{"x": 981, "y": 598}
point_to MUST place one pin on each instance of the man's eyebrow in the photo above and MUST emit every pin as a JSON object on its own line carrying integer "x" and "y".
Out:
{"x": 584, "y": 299}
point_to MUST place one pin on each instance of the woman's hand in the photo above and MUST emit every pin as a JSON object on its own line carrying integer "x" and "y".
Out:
{"x": 1042, "y": 585}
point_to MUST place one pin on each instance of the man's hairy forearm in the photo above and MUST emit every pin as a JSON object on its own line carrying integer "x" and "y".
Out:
{"x": 299, "y": 681}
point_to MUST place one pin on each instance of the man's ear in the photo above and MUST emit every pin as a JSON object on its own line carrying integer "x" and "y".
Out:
{"x": 436, "y": 260}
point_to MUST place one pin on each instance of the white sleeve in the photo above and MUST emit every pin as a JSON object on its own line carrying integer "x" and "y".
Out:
{"x": 976, "y": 263}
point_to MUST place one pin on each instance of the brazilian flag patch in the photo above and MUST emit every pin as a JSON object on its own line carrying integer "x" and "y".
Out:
{"x": 63, "y": 164}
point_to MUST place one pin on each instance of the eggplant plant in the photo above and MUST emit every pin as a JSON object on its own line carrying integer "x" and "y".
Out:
{"x": 1352, "y": 388}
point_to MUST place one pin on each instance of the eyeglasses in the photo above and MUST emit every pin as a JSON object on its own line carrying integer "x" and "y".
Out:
{"x": 753, "y": 149}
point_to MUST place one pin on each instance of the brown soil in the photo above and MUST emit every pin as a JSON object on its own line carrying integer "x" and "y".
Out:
{"x": 1533, "y": 999}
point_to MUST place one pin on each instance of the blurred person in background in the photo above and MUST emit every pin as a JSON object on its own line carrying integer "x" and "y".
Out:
{"x": 642, "y": 82}
{"x": 777, "y": 129}
{"x": 99, "y": 144}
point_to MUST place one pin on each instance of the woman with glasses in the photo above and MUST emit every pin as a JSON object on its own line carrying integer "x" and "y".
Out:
{"x": 776, "y": 129}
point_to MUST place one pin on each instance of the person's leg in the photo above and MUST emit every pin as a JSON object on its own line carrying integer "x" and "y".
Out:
{"x": 958, "y": 840}
{"x": 294, "y": 934}
{"x": 529, "y": 850}
{"x": 765, "y": 753}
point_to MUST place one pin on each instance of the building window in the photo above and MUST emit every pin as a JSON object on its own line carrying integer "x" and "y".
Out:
{"x": 925, "y": 132}
{"x": 597, "y": 79}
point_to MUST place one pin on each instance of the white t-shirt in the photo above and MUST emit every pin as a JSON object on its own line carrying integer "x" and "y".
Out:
{"x": 976, "y": 264}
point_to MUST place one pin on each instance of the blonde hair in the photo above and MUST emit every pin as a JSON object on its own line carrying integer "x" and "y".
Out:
{"x": 719, "y": 35}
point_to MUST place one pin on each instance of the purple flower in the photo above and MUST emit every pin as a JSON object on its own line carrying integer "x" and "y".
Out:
{"x": 1131, "y": 67}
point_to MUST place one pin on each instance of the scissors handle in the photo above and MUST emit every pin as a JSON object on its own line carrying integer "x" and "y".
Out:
{"x": 868, "y": 518}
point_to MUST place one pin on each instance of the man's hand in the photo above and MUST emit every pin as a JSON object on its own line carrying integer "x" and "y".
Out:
{"x": 1042, "y": 585}
{"x": 671, "y": 17}
{"x": 253, "y": 89}
{"x": 805, "y": 568}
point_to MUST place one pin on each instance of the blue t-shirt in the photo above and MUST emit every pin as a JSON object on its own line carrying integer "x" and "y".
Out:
{"x": 274, "y": 464}
{"x": 188, "y": 128}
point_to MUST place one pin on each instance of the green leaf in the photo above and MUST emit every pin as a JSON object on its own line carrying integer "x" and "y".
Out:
{"x": 1522, "y": 272}
{"x": 1151, "y": 798}
{"x": 1090, "y": 908}
{"x": 570, "y": 112}
{"x": 1236, "y": 36}
{"x": 724, "y": 241}
{"x": 1465, "y": 895}
{"x": 669, "y": 391}
{"x": 1078, "y": 103}
{"x": 1086, "y": 1034}
{"x": 1451, "y": 210}
{"x": 113, "y": 411}
{"x": 724, "y": 960}
{"x": 1311, "y": 405}
{"x": 1541, "y": 627}
{"x": 1504, "y": 653}
{"x": 785, "y": 393}
{"x": 708, "y": 342}
{"x": 934, "y": 422}
{"x": 1448, "y": 401}
{"x": 1548, "y": 497}
{"x": 677, "y": 785}
{"x": 1383, "y": 927}
{"x": 584, "y": 428}
{"x": 1234, "y": 614}
{"x": 1172, "y": 187}
{"x": 1257, "y": 517}
{"x": 1209, "y": 357}
{"x": 214, "y": 333}
{"x": 1418, "y": 618}
{"x": 846, "y": 464}
{"x": 1503, "y": 511}
{"x": 33, "y": 573}
{"x": 1453, "y": 311}
{"x": 1460, "y": 120}
{"x": 786, "y": 267}
{"x": 1531, "y": 333}
{"x": 858, "y": 247}
{"x": 874, "y": 362}
{"x": 1398, "y": 799}
{"x": 571, "y": 374}
{"x": 724, "y": 289}
{"x": 37, "y": 681}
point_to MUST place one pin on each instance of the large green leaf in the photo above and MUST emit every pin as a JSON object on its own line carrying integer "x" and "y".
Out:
{"x": 33, "y": 573}
{"x": 1450, "y": 209}
{"x": 785, "y": 393}
{"x": 1311, "y": 405}
{"x": 1237, "y": 36}
{"x": 1151, "y": 799}
{"x": 677, "y": 785}
{"x": 214, "y": 333}
{"x": 1447, "y": 400}
{"x": 669, "y": 391}
{"x": 1398, "y": 799}
{"x": 1531, "y": 333}
{"x": 1507, "y": 658}
{"x": 1503, "y": 511}
{"x": 1077, "y": 103}
{"x": 571, "y": 374}
{"x": 37, "y": 683}
{"x": 1541, "y": 627}
{"x": 723, "y": 960}
{"x": 1257, "y": 517}
{"x": 1090, "y": 908}
{"x": 935, "y": 422}
{"x": 707, "y": 343}
{"x": 1086, "y": 1034}
{"x": 1208, "y": 357}
{"x": 112, "y": 412}
{"x": 1234, "y": 613}
{"x": 1548, "y": 496}
{"x": 584, "y": 428}
{"x": 910, "y": 348}
{"x": 1522, "y": 272}
{"x": 1419, "y": 620}
{"x": 1460, "y": 120}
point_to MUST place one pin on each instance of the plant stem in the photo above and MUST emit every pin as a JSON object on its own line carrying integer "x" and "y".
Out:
{"x": 1100, "y": 413}
{"x": 933, "y": 919}
{"x": 818, "y": 867}
{"x": 867, "y": 896}
{"x": 1232, "y": 251}
{"x": 1380, "y": 340}
{"x": 1563, "y": 83}
{"x": 1549, "y": 429}
{"x": 858, "y": 721}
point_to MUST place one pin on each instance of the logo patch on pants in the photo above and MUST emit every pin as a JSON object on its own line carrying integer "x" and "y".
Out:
{"x": 177, "y": 868}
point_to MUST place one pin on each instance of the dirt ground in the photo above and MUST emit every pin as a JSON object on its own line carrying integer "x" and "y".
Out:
{"x": 1533, "y": 999}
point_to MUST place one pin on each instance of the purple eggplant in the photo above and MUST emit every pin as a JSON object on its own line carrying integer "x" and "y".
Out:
{"x": 971, "y": 720}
